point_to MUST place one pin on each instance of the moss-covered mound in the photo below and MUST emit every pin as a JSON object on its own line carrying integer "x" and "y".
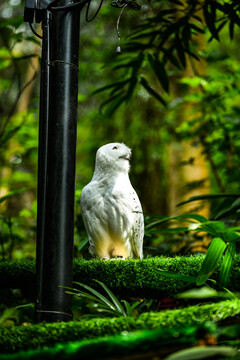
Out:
{"x": 126, "y": 277}
{"x": 143, "y": 342}
{"x": 34, "y": 336}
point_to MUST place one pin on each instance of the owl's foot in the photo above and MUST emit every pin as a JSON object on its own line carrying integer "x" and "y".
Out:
{"x": 118, "y": 258}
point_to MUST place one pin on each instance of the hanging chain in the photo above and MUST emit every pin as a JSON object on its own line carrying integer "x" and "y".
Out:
{"x": 122, "y": 4}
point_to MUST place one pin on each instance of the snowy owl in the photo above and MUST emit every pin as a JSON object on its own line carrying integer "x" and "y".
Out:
{"x": 111, "y": 210}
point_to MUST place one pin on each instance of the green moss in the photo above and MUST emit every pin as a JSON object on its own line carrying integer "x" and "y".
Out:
{"x": 126, "y": 277}
{"x": 29, "y": 337}
{"x": 124, "y": 344}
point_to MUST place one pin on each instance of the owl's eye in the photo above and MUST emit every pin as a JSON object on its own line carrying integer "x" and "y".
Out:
{"x": 114, "y": 148}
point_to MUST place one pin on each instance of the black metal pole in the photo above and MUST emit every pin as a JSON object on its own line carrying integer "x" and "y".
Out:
{"x": 42, "y": 158}
{"x": 57, "y": 166}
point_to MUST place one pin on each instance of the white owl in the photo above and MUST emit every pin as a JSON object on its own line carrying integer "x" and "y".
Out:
{"x": 111, "y": 210}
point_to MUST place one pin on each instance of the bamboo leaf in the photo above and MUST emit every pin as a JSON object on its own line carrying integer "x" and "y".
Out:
{"x": 114, "y": 105}
{"x": 211, "y": 260}
{"x": 208, "y": 196}
{"x": 180, "y": 51}
{"x": 159, "y": 71}
{"x": 131, "y": 88}
{"x": 117, "y": 85}
{"x": 152, "y": 92}
{"x": 171, "y": 230}
{"x": 227, "y": 264}
{"x": 210, "y": 18}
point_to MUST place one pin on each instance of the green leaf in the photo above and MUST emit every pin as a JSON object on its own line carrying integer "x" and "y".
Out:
{"x": 180, "y": 51}
{"x": 210, "y": 18}
{"x": 117, "y": 85}
{"x": 211, "y": 260}
{"x": 227, "y": 264}
{"x": 169, "y": 55}
{"x": 207, "y": 197}
{"x": 131, "y": 88}
{"x": 11, "y": 194}
{"x": 152, "y": 92}
{"x": 198, "y": 293}
{"x": 112, "y": 297}
{"x": 97, "y": 294}
{"x": 171, "y": 230}
{"x": 116, "y": 103}
{"x": 181, "y": 277}
{"x": 231, "y": 29}
{"x": 215, "y": 228}
{"x": 128, "y": 308}
{"x": 159, "y": 71}
{"x": 200, "y": 352}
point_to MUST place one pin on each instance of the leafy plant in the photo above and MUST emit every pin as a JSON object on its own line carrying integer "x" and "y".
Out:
{"x": 224, "y": 242}
{"x": 164, "y": 40}
{"x": 104, "y": 305}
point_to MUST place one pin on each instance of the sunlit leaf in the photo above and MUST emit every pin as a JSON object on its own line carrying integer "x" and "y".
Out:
{"x": 11, "y": 194}
{"x": 213, "y": 256}
{"x": 227, "y": 264}
{"x": 200, "y": 352}
{"x": 198, "y": 293}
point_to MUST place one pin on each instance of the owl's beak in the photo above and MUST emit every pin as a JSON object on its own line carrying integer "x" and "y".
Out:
{"x": 126, "y": 157}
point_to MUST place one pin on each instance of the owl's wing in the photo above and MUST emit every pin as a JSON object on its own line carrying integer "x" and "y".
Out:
{"x": 93, "y": 214}
{"x": 135, "y": 220}
{"x": 138, "y": 232}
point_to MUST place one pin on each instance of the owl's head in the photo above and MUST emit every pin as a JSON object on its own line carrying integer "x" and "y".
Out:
{"x": 113, "y": 156}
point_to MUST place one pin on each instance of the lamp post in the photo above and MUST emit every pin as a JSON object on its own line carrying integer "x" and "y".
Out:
{"x": 57, "y": 154}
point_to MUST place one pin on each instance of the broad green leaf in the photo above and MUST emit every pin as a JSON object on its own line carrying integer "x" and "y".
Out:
{"x": 211, "y": 260}
{"x": 181, "y": 277}
{"x": 215, "y": 228}
{"x": 227, "y": 264}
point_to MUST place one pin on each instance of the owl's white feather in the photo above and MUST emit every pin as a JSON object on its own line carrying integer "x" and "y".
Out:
{"x": 111, "y": 209}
